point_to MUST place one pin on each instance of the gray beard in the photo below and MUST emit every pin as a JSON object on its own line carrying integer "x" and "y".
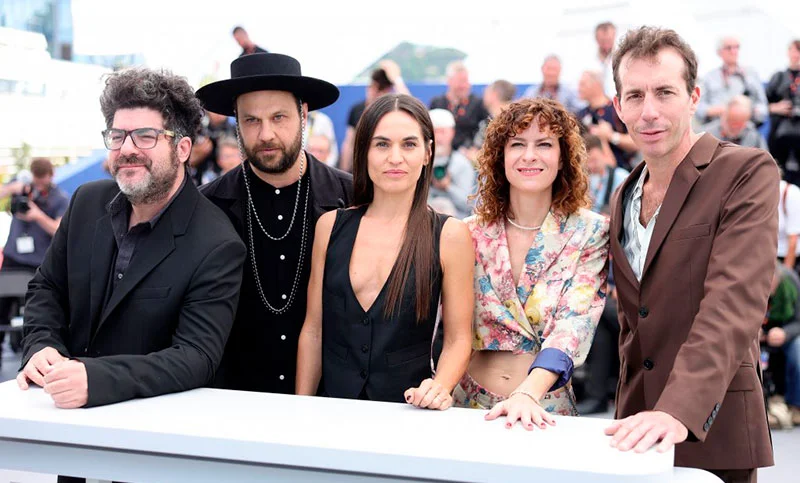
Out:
{"x": 157, "y": 189}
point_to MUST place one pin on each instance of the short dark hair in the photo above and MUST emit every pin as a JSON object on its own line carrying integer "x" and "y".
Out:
{"x": 796, "y": 43}
{"x": 41, "y": 167}
{"x": 237, "y": 29}
{"x": 379, "y": 77}
{"x": 160, "y": 90}
{"x": 604, "y": 26}
{"x": 505, "y": 90}
{"x": 646, "y": 43}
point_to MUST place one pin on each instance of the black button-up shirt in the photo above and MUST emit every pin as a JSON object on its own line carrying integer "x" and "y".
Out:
{"x": 260, "y": 338}
{"x": 127, "y": 239}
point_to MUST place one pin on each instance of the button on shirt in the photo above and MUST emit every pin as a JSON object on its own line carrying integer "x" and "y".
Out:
{"x": 127, "y": 239}
{"x": 261, "y": 352}
{"x": 636, "y": 238}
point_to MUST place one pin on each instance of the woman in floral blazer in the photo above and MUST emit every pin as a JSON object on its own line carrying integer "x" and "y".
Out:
{"x": 540, "y": 268}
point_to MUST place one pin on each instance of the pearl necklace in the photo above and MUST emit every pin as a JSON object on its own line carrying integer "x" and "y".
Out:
{"x": 521, "y": 227}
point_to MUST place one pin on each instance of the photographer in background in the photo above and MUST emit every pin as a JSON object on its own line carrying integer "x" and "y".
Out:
{"x": 783, "y": 95}
{"x": 37, "y": 206}
{"x": 453, "y": 175}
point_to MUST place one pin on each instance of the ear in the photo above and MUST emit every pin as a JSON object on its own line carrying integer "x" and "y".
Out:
{"x": 184, "y": 149}
{"x": 618, "y": 107}
{"x": 694, "y": 98}
{"x": 305, "y": 112}
{"x": 429, "y": 152}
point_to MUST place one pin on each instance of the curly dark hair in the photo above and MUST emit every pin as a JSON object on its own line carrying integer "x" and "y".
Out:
{"x": 161, "y": 90}
{"x": 571, "y": 186}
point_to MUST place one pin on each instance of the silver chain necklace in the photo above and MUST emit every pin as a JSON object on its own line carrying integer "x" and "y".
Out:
{"x": 295, "y": 283}
{"x": 251, "y": 212}
{"x": 252, "y": 207}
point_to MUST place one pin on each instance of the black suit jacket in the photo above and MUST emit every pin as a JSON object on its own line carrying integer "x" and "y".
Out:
{"x": 165, "y": 326}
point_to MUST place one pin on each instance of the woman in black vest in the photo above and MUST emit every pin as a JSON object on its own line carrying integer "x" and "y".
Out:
{"x": 378, "y": 274}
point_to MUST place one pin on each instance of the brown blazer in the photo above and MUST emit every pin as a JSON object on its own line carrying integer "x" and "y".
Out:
{"x": 689, "y": 330}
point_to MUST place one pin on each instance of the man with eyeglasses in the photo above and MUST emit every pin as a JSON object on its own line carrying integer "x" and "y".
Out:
{"x": 729, "y": 80}
{"x": 136, "y": 296}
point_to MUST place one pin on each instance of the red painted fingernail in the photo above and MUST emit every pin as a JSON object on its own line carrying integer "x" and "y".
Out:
{"x": 508, "y": 425}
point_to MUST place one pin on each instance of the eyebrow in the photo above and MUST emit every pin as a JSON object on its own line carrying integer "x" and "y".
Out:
{"x": 249, "y": 114}
{"x": 543, "y": 138}
{"x": 384, "y": 138}
{"x": 659, "y": 87}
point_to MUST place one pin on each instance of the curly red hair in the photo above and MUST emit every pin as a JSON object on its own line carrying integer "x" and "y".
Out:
{"x": 571, "y": 186}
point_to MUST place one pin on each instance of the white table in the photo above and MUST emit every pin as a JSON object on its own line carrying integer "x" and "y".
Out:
{"x": 209, "y": 435}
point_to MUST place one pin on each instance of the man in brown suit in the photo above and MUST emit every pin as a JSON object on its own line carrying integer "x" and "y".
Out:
{"x": 693, "y": 239}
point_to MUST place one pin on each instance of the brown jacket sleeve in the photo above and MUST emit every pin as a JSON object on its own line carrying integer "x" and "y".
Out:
{"x": 736, "y": 291}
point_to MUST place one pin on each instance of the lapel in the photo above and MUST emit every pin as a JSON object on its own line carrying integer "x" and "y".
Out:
{"x": 548, "y": 244}
{"x": 496, "y": 263}
{"x": 227, "y": 192}
{"x": 100, "y": 265}
{"x": 621, "y": 264}
{"x": 153, "y": 249}
{"x": 554, "y": 235}
{"x": 686, "y": 175}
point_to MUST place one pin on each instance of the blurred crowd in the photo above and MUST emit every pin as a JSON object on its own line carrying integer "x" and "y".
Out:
{"x": 735, "y": 105}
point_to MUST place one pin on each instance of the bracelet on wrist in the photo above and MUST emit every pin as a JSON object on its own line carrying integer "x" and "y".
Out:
{"x": 527, "y": 394}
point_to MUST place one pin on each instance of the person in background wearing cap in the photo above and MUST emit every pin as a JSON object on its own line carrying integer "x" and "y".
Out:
{"x": 453, "y": 175}
{"x": 274, "y": 199}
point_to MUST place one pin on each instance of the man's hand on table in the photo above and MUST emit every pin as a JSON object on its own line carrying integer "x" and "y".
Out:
{"x": 63, "y": 379}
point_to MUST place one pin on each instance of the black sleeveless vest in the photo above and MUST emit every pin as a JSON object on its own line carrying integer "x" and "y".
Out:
{"x": 365, "y": 355}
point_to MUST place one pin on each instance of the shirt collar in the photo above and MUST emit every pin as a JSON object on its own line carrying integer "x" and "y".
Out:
{"x": 638, "y": 189}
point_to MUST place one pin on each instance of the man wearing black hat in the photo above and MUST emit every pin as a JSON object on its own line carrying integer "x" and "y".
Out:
{"x": 274, "y": 200}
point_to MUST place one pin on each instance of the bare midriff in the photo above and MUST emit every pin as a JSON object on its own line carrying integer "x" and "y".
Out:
{"x": 500, "y": 371}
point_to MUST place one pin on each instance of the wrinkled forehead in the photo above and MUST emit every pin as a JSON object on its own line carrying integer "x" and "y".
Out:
{"x": 648, "y": 73}
{"x": 258, "y": 101}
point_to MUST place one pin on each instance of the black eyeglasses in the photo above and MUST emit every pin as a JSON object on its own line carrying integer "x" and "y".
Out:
{"x": 143, "y": 138}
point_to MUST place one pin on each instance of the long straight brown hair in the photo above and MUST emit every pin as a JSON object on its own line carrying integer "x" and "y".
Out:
{"x": 417, "y": 249}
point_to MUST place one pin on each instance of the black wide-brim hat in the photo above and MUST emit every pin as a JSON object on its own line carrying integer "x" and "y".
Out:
{"x": 266, "y": 72}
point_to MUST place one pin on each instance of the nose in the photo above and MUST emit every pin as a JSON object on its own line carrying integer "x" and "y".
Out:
{"x": 395, "y": 155}
{"x": 530, "y": 153}
{"x": 266, "y": 133}
{"x": 649, "y": 109}
{"x": 128, "y": 148}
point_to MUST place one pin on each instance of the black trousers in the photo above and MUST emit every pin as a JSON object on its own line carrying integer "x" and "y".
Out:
{"x": 603, "y": 359}
{"x": 737, "y": 476}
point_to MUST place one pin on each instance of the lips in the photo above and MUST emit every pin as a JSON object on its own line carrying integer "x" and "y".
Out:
{"x": 651, "y": 134}
{"x": 394, "y": 173}
{"x": 529, "y": 171}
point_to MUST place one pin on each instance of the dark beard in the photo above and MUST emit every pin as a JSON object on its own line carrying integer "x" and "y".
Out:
{"x": 286, "y": 161}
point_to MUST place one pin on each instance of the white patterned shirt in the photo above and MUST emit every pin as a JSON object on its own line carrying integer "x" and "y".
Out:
{"x": 635, "y": 237}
